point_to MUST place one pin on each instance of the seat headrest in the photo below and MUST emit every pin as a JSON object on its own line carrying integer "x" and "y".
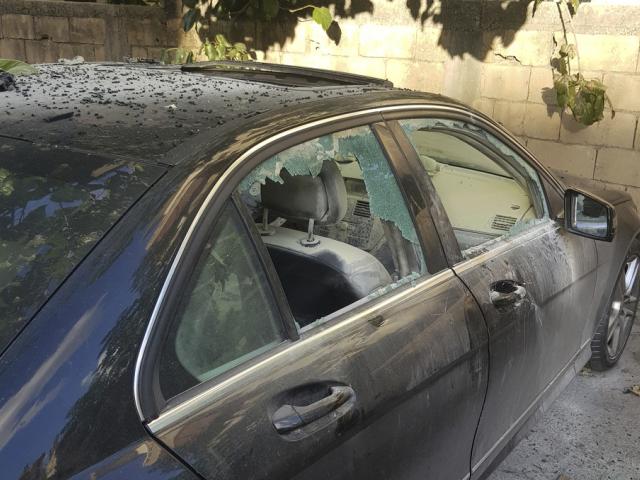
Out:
{"x": 301, "y": 197}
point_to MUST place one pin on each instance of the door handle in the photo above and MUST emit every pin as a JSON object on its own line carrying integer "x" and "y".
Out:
{"x": 506, "y": 292}
{"x": 290, "y": 417}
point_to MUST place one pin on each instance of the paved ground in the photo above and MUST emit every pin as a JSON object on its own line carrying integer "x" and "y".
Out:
{"x": 592, "y": 431}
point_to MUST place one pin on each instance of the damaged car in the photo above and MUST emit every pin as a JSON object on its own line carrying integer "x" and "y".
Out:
{"x": 251, "y": 271}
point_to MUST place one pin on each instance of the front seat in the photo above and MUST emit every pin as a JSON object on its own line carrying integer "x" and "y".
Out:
{"x": 319, "y": 275}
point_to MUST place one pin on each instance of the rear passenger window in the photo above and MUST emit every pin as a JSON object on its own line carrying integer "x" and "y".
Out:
{"x": 334, "y": 221}
{"x": 227, "y": 313}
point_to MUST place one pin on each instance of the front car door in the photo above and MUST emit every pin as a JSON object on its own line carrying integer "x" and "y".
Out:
{"x": 311, "y": 328}
{"x": 533, "y": 280}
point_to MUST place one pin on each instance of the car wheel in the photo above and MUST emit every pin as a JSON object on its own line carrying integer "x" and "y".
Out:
{"x": 614, "y": 329}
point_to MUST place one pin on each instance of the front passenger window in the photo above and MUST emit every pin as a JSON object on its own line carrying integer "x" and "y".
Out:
{"x": 486, "y": 189}
{"x": 334, "y": 221}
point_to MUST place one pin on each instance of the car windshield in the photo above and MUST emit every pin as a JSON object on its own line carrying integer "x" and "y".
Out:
{"x": 55, "y": 204}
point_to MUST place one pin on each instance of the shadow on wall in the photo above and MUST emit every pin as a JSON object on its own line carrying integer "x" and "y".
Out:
{"x": 466, "y": 27}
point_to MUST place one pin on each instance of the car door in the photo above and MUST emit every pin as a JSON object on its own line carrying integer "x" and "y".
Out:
{"x": 533, "y": 280}
{"x": 390, "y": 386}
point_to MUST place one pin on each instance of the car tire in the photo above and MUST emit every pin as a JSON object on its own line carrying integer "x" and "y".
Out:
{"x": 615, "y": 327}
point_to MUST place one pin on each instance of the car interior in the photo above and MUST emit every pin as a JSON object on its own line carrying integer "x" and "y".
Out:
{"x": 484, "y": 196}
{"x": 328, "y": 246}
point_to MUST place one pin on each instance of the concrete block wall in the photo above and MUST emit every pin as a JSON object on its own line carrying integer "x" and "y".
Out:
{"x": 40, "y": 31}
{"x": 496, "y": 58}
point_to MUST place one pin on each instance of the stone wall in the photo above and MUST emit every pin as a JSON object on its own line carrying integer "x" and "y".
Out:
{"x": 493, "y": 55}
{"x": 497, "y": 60}
{"x": 44, "y": 31}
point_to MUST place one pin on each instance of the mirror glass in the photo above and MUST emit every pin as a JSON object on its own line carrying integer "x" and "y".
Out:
{"x": 589, "y": 216}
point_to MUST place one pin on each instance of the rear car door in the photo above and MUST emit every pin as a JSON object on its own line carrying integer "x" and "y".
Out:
{"x": 533, "y": 280}
{"x": 311, "y": 328}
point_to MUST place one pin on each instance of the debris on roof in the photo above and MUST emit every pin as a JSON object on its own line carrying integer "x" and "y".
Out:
{"x": 135, "y": 109}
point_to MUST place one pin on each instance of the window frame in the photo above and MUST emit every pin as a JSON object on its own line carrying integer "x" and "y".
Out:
{"x": 149, "y": 401}
{"x": 172, "y": 301}
{"x": 445, "y": 229}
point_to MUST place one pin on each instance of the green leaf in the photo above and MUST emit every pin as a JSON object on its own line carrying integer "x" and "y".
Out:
{"x": 189, "y": 19}
{"x": 270, "y": 8}
{"x": 209, "y": 50}
{"x": 16, "y": 67}
{"x": 220, "y": 39}
{"x": 568, "y": 50}
{"x": 574, "y": 5}
{"x": 322, "y": 16}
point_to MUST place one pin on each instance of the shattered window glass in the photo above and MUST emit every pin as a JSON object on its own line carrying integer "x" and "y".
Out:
{"x": 486, "y": 188}
{"x": 334, "y": 222}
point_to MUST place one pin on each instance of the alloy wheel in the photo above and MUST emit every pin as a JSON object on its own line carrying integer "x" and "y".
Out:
{"x": 623, "y": 308}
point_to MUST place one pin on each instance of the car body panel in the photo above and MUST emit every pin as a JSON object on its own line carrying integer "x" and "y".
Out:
{"x": 66, "y": 397}
{"x": 407, "y": 394}
{"x": 557, "y": 270}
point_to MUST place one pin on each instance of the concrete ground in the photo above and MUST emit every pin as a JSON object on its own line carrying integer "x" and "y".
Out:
{"x": 591, "y": 432}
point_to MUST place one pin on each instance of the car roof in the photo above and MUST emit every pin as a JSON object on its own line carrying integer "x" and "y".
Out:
{"x": 144, "y": 111}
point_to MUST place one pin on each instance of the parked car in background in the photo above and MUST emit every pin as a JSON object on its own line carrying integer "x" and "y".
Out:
{"x": 251, "y": 271}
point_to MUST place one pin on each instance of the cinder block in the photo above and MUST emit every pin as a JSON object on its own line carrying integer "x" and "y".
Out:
{"x": 613, "y": 53}
{"x": 41, "y": 51}
{"x": 527, "y": 47}
{"x": 305, "y": 60}
{"x": 273, "y": 56}
{"x": 511, "y": 115}
{"x": 52, "y": 28}
{"x": 613, "y": 132}
{"x": 542, "y": 121}
{"x": 298, "y": 41}
{"x": 322, "y": 44}
{"x": 139, "y": 52}
{"x": 18, "y": 26}
{"x": 617, "y": 165}
{"x": 100, "y": 53}
{"x": 12, "y": 48}
{"x": 505, "y": 82}
{"x": 286, "y": 37}
{"x": 422, "y": 76}
{"x": 154, "y": 52}
{"x": 387, "y": 41}
{"x": 428, "y": 46}
{"x": 541, "y": 86}
{"x": 84, "y": 50}
{"x": 623, "y": 90}
{"x": 484, "y": 105}
{"x": 373, "y": 67}
{"x": 87, "y": 30}
{"x": 578, "y": 160}
{"x": 150, "y": 33}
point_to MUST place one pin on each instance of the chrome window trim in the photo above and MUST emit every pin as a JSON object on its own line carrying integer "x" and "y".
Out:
{"x": 232, "y": 168}
{"x": 507, "y": 242}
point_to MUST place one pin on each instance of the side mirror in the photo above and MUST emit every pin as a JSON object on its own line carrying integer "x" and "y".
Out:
{"x": 588, "y": 215}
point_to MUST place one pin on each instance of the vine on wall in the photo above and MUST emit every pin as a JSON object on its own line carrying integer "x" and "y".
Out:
{"x": 585, "y": 99}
